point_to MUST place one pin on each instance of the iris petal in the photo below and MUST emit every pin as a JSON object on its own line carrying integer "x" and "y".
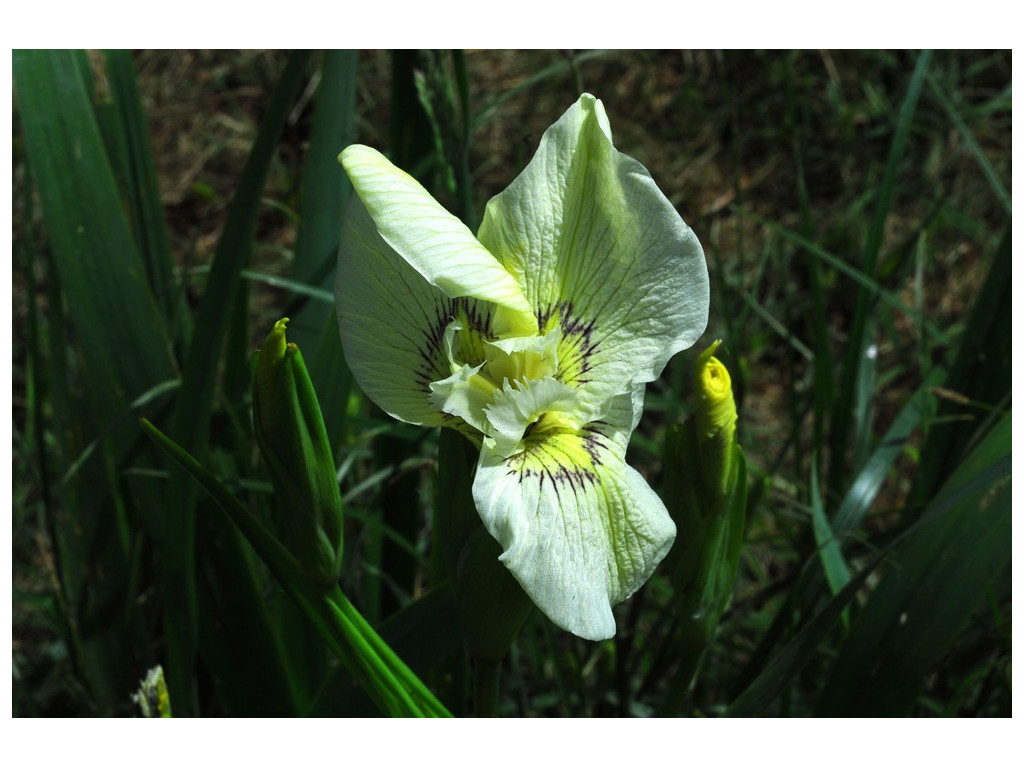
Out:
{"x": 434, "y": 242}
{"x": 581, "y": 530}
{"x": 601, "y": 251}
{"x": 391, "y": 321}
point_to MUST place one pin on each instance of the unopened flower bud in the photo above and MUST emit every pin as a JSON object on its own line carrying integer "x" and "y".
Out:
{"x": 716, "y": 420}
{"x": 290, "y": 432}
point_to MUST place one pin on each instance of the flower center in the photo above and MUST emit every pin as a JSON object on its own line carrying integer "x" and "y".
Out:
{"x": 506, "y": 387}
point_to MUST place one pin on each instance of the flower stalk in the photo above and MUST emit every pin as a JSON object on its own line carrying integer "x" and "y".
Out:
{"x": 705, "y": 489}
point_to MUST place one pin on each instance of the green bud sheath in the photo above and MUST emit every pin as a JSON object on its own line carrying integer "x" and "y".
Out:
{"x": 716, "y": 421}
{"x": 290, "y": 432}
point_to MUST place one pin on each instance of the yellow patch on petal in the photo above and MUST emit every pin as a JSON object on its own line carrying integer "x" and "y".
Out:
{"x": 576, "y": 346}
{"x": 567, "y": 459}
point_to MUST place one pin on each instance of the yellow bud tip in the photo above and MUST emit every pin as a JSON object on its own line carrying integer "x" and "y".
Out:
{"x": 268, "y": 357}
{"x": 704, "y": 356}
{"x": 275, "y": 343}
{"x": 716, "y": 384}
{"x": 717, "y": 409}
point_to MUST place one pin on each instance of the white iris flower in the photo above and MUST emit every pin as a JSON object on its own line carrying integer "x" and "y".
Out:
{"x": 536, "y": 339}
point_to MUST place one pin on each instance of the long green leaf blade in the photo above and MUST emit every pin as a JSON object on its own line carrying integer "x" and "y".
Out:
{"x": 981, "y": 472}
{"x": 195, "y": 403}
{"x": 986, "y": 166}
{"x": 929, "y": 595}
{"x": 980, "y": 372}
{"x": 110, "y": 306}
{"x": 143, "y": 192}
{"x": 116, "y": 333}
{"x": 868, "y": 482}
{"x": 325, "y": 188}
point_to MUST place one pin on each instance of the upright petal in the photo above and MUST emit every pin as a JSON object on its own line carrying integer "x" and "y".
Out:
{"x": 600, "y": 250}
{"x": 581, "y": 530}
{"x": 392, "y": 322}
{"x": 432, "y": 241}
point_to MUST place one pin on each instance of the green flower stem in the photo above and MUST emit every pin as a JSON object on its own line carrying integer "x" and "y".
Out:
{"x": 486, "y": 675}
{"x": 710, "y": 504}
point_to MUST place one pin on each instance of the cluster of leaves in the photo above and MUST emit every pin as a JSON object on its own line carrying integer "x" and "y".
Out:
{"x": 856, "y": 219}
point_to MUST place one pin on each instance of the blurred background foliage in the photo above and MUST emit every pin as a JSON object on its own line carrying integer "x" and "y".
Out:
{"x": 169, "y": 207}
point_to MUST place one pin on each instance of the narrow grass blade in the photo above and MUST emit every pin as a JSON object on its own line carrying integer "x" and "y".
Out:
{"x": 981, "y": 373}
{"x": 146, "y": 398}
{"x": 776, "y": 325}
{"x": 411, "y": 140}
{"x": 464, "y": 180}
{"x": 876, "y": 233}
{"x": 837, "y": 572}
{"x": 318, "y": 295}
{"x": 858, "y": 340}
{"x": 229, "y": 260}
{"x": 869, "y": 480}
{"x": 991, "y": 174}
{"x": 862, "y": 417}
{"x": 559, "y": 68}
{"x": 783, "y": 667}
{"x": 869, "y": 284}
{"x": 67, "y": 543}
{"x": 35, "y": 361}
{"x": 824, "y": 380}
{"x": 325, "y": 190}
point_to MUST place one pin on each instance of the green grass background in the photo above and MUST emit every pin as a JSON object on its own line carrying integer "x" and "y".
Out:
{"x": 855, "y": 211}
